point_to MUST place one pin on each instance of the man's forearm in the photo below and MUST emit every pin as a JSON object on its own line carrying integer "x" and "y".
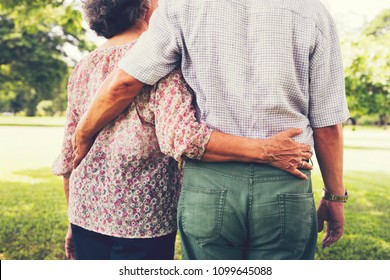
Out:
{"x": 328, "y": 142}
{"x": 116, "y": 93}
{"x": 226, "y": 147}
{"x": 279, "y": 151}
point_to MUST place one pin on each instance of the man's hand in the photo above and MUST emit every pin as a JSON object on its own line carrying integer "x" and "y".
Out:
{"x": 288, "y": 155}
{"x": 70, "y": 251}
{"x": 280, "y": 151}
{"x": 81, "y": 146}
{"x": 333, "y": 213}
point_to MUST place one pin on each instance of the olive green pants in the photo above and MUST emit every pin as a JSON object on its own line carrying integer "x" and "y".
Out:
{"x": 245, "y": 211}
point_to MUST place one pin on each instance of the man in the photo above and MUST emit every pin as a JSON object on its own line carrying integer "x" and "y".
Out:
{"x": 257, "y": 67}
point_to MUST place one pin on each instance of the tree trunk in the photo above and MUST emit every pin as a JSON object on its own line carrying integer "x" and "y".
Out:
{"x": 32, "y": 107}
{"x": 383, "y": 120}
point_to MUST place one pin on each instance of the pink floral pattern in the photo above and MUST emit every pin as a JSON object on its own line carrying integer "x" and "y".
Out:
{"x": 125, "y": 186}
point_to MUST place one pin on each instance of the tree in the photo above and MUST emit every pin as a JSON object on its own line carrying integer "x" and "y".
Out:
{"x": 367, "y": 61}
{"x": 33, "y": 34}
{"x": 380, "y": 26}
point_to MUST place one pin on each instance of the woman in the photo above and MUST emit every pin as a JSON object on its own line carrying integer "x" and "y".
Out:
{"x": 123, "y": 195}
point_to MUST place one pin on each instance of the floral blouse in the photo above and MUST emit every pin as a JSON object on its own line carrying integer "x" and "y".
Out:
{"x": 125, "y": 186}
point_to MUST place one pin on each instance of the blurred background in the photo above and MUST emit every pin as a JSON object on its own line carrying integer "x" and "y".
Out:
{"x": 40, "y": 42}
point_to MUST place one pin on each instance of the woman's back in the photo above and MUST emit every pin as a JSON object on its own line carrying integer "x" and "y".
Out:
{"x": 125, "y": 187}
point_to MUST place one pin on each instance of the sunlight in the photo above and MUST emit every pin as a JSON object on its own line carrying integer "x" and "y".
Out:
{"x": 353, "y": 14}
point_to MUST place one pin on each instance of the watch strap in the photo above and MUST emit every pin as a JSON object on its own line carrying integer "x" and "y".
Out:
{"x": 332, "y": 197}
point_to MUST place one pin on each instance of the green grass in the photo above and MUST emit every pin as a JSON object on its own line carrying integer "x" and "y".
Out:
{"x": 367, "y": 227}
{"x": 33, "y": 216}
{"x": 32, "y": 121}
{"x": 33, "y": 210}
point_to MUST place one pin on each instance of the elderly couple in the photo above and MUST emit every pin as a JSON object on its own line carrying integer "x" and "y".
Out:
{"x": 260, "y": 83}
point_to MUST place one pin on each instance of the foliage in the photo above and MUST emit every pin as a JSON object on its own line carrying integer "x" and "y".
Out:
{"x": 368, "y": 77}
{"x": 33, "y": 65}
{"x": 367, "y": 61}
{"x": 45, "y": 108}
{"x": 34, "y": 33}
{"x": 380, "y": 26}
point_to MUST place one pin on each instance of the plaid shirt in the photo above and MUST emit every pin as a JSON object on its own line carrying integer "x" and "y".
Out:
{"x": 257, "y": 66}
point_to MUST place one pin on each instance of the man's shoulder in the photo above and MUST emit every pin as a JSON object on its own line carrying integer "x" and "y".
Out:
{"x": 323, "y": 18}
{"x": 174, "y": 6}
{"x": 313, "y": 9}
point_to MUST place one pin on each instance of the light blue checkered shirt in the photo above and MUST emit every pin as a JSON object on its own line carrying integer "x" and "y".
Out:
{"x": 257, "y": 66}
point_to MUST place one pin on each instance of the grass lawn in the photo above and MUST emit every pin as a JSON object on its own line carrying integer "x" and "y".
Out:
{"x": 367, "y": 227}
{"x": 33, "y": 212}
{"x": 33, "y": 216}
{"x": 35, "y": 121}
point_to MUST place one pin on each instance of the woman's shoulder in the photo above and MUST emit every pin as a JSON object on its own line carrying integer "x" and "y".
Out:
{"x": 96, "y": 65}
{"x": 113, "y": 52}
{"x": 104, "y": 55}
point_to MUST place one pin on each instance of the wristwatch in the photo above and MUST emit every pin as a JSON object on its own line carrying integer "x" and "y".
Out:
{"x": 332, "y": 197}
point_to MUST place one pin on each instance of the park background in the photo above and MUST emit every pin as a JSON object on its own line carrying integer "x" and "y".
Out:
{"x": 40, "y": 42}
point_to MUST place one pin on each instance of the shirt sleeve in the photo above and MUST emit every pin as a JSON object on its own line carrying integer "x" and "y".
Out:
{"x": 63, "y": 164}
{"x": 328, "y": 104}
{"x": 156, "y": 53}
{"x": 178, "y": 132}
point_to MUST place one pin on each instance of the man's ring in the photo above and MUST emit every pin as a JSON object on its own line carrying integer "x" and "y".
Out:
{"x": 302, "y": 164}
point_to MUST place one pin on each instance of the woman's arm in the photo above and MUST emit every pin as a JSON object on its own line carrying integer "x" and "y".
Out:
{"x": 180, "y": 134}
{"x": 63, "y": 164}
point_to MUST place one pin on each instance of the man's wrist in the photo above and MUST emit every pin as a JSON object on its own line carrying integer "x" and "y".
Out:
{"x": 261, "y": 155}
{"x": 326, "y": 195}
{"x": 82, "y": 131}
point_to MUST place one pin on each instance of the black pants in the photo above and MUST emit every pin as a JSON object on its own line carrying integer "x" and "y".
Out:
{"x": 91, "y": 245}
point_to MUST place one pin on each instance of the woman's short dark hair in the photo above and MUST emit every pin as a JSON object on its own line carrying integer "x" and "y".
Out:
{"x": 111, "y": 17}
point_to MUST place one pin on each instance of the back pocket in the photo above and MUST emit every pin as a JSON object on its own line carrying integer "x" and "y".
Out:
{"x": 201, "y": 213}
{"x": 297, "y": 216}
